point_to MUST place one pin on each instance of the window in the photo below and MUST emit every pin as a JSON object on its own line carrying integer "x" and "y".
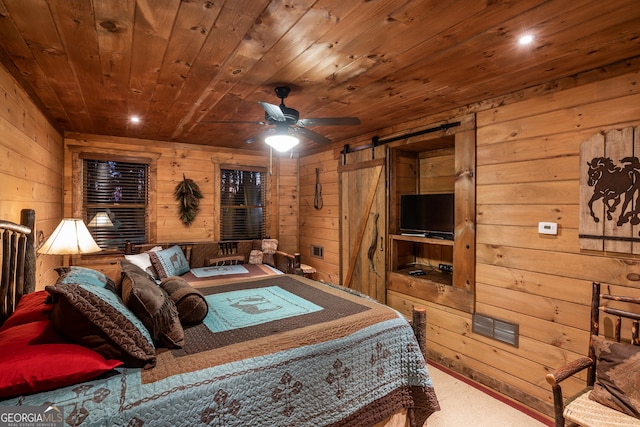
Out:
{"x": 242, "y": 204}
{"x": 115, "y": 200}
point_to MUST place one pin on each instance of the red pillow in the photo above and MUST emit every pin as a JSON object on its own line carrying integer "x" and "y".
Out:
{"x": 31, "y": 308}
{"x": 34, "y": 358}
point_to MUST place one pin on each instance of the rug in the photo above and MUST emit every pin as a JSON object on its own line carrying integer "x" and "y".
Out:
{"x": 220, "y": 270}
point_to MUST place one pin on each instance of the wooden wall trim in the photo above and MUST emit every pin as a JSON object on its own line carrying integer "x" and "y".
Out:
{"x": 79, "y": 153}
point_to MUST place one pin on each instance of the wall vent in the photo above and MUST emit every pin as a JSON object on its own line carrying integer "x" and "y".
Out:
{"x": 317, "y": 251}
{"x": 497, "y": 329}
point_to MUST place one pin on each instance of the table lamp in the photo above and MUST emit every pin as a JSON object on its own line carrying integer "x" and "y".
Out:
{"x": 71, "y": 237}
{"x": 101, "y": 219}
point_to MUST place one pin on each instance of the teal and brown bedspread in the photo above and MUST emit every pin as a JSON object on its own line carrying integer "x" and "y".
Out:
{"x": 273, "y": 351}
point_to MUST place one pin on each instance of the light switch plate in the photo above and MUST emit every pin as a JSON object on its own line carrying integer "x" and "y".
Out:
{"x": 548, "y": 228}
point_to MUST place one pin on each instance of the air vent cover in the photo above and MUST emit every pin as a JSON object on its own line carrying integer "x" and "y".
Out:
{"x": 317, "y": 251}
{"x": 497, "y": 329}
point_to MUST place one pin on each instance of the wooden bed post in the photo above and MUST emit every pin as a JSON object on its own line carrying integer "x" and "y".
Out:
{"x": 28, "y": 219}
{"x": 17, "y": 275}
{"x": 419, "y": 324}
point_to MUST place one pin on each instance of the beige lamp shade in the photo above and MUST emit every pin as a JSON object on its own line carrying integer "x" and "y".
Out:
{"x": 100, "y": 220}
{"x": 69, "y": 238}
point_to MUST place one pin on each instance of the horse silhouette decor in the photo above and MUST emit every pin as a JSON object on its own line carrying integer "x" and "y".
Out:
{"x": 610, "y": 192}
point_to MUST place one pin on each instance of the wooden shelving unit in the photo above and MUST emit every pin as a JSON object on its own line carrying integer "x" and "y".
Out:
{"x": 442, "y": 165}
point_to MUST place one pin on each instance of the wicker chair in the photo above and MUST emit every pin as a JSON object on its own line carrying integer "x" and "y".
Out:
{"x": 580, "y": 409}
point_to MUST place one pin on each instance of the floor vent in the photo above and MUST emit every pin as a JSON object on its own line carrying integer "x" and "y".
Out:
{"x": 317, "y": 251}
{"x": 497, "y": 329}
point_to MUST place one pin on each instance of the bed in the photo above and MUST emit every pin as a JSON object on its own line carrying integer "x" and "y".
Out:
{"x": 276, "y": 350}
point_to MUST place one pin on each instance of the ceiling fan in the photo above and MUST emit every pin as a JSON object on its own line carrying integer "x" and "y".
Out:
{"x": 288, "y": 125}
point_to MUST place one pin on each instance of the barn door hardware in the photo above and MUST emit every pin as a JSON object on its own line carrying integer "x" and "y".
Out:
{"x": 442, "y": 127}
{"x": 374, "y": 241}
{"x": 375, "y": 141}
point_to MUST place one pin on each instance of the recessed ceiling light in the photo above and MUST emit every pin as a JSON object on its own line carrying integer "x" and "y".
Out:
{"x": 525, "y": 39}
{"x": 134, "y": 119}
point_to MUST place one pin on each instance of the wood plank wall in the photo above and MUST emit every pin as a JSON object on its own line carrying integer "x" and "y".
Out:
{"x": 201, "y": 164}
{"x": 30, "y": 167}
{"x": 527, "y": 171}
{"x": 320, "y": 227}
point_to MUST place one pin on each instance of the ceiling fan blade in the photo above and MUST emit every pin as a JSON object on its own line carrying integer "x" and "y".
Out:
{"x": 260, "y": 136}
{"x": 273, "y": 111}
{"x": 313, "y": 136}
{"x": 330, "y": 121}
{"x": 234, "y": 122}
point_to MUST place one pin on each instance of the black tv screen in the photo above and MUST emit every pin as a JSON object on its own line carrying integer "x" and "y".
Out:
{"x": 427, "y": 214}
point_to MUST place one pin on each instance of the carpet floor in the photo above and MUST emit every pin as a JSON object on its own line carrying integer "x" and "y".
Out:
{"x": 466, "y": 405}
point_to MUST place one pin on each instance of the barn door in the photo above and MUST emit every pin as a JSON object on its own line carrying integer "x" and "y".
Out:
{"x": 363, "y": 225}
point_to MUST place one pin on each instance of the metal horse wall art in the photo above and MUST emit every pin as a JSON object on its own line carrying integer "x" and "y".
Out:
{"x": 614, "y": 184}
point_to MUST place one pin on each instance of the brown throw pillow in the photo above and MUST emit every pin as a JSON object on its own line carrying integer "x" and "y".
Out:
{"x": 617, "y": 376}
{"x": 98, "y": 319}
{"x": 192, "y": 307}
{"x": 151, "y": 304}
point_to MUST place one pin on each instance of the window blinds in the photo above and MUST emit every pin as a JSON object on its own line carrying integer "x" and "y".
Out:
{"x": 118, "y": 189}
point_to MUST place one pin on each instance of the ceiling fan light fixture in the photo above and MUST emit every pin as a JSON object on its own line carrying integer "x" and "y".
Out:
{"x": 282, "y": 142}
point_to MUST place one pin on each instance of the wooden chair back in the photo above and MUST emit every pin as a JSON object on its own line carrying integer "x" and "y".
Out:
{"x": 17, "y": 247}
{"x": 629, "y": 315}
{"x": 227, "y": 248}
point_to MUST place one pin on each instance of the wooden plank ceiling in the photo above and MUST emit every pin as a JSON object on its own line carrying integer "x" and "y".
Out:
{"x": 177, "y": 64}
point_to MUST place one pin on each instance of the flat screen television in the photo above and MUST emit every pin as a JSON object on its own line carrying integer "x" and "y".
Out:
{"x": 430, "y": 215}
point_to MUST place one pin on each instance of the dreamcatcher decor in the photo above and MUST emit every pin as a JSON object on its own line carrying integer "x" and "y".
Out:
{"x": 188, "y": 195}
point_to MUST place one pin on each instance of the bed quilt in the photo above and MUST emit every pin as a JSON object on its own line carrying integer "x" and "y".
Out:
{"x": 274, "y": 351}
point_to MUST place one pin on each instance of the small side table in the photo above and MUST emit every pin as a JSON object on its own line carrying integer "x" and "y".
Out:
{"x": 307, "y": 270}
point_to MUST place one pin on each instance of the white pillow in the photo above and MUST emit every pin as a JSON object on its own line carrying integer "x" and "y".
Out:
{"x": 144, "y": 261}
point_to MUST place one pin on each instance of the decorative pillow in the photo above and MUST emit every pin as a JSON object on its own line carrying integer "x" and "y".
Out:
{"x": 127, "y": 266}
{"x": 617, "y": 375}
{"x": 191, "y": 305}
{"x": 169, "y": 262}
{"x": 255, "y": 257}
{"x": 33, "y": 358}
{"x": 151, "y": 304}
{"x": 84, "y": 276}
{"x": 143, "y": 261}
{"x": 269, "y": 247}
{"x": 98, "y": 319}
{"x": 31, "y": 308}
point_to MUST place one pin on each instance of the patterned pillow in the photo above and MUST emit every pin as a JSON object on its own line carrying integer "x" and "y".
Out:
{"x": 99, "y": 320}
{"x": 255, "y": 257}
{"x": 617, "y": 375}
{"x": 269, "y": 247}
{"x": 169, "y": 262}
{"x": 84, "y": 276}
{"x": 151, "y": 304}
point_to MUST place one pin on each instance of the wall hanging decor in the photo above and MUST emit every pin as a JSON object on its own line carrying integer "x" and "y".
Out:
{"x": 610, "y": 191}
{"x": 188, "y": 195}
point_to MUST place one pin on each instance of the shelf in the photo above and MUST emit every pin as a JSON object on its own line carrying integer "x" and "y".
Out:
{"x": 431, "y": 275}
{"x": 420, "y": 239}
